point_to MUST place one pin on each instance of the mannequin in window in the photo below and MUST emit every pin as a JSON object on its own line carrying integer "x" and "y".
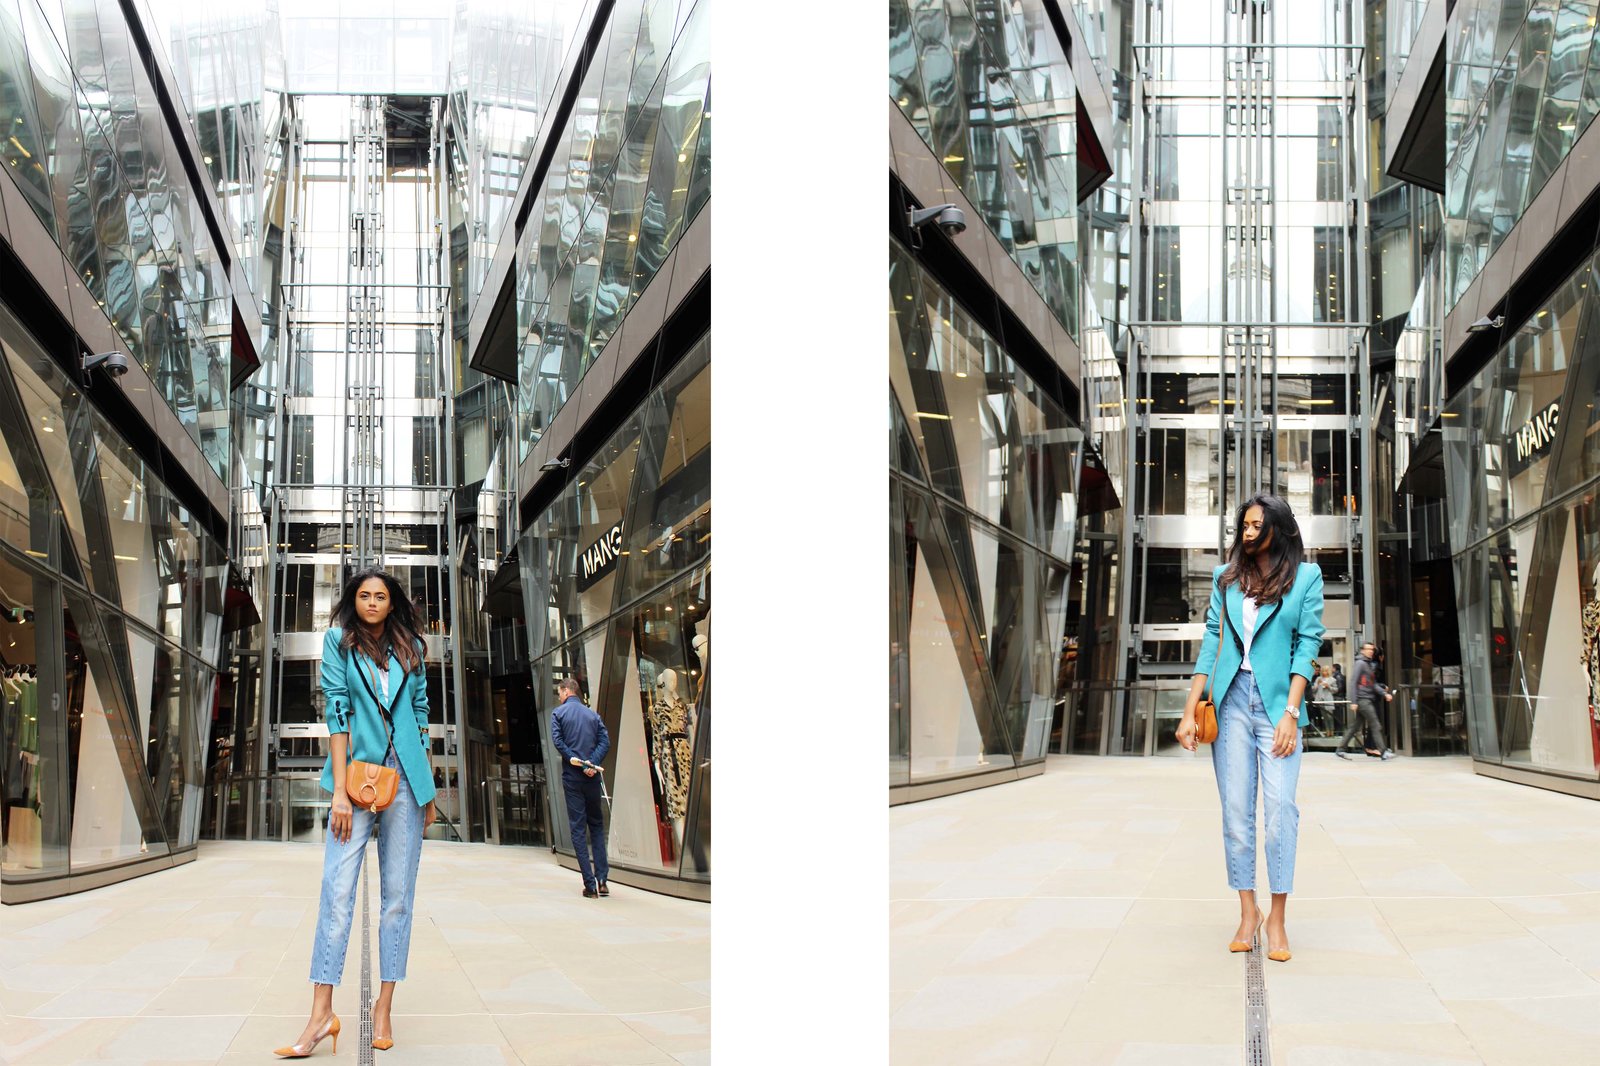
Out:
{"x": 1591, "y": 659}
{"x": 669, "y": 746}
{"x": 702, "y": 651}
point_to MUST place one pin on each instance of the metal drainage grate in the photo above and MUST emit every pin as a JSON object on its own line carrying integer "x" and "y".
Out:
{"x": 364, "y": 1048}
{"x": 1257, "y": 1047}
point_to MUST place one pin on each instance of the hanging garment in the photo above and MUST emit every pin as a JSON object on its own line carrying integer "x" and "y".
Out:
{"x": 670, "y": 748}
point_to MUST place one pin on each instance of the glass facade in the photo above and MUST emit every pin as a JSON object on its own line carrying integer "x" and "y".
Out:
{"x": 111, "y": 598}
{"x": 989, "y": 90}
{"x": 96, "y": 162}
{"x": 1522, "y": 82}
{"x": 505, "y": 69}
{"x": 1246, "y": 322}
{"x": 983, "y": 516}
{"x": 629, "y": 174}
{"x": 1523, "y": 480}
{"x": 616, "y": 573}
{"x": 353, "y": 47}
{"x": 229, "y": 71}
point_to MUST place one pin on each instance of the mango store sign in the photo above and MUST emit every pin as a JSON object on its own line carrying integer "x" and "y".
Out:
{"x": 1537, "y": 433}
{"x": 600, "y": 558}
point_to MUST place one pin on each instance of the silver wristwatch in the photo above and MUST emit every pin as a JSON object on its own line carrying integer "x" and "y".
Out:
{"x": 1292, "y": 712}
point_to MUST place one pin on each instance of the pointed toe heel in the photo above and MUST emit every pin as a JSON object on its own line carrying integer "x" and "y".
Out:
{"x": 295, "y": 1051}
{"x": 383, "y": 1043}
{"x": 1280, "y": 956}
{"x": 1237, "y": 946}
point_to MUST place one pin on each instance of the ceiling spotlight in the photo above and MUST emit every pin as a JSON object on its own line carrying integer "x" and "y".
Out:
{"x": 555, "y": 464}
{"x": 1485, "y": 324}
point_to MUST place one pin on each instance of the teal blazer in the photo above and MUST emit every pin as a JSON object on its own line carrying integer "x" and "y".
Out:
{"x": 1288, "y": 637}
{"x": 351, "y": 709}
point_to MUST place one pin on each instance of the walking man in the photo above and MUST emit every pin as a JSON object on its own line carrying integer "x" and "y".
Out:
{"x": 581, "y": 738}
{"x": 1364, "y": 680}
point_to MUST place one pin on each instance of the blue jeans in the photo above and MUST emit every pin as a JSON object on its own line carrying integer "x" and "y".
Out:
{"x": 1241, "y": 755}
{"x": 586, "y": 816}
{"x": 399, "y": 829}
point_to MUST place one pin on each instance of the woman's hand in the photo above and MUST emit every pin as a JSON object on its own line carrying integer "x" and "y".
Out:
{"x": 1188, "y": 731}
{"x": 428, "y": 816}
{"x": 339, "y": 818}
{"x": 1285, "y": 737}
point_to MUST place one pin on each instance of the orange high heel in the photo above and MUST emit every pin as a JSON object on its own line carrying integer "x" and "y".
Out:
{"x": 1242, "y": 945}
{"x": 293, "y": 1051}
{"x": 382, "y": 1043}
{"x": 1281, "y": 954}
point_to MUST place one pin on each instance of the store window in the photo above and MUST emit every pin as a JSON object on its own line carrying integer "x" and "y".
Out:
{"x": 617, "y": 578}
{"x": 984, "y": 513}
{"x": 110, "y": 626}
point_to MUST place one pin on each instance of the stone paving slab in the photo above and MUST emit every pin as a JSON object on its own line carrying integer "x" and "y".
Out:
{"x": 208, "y": 963}
{"x": 1082, "y": 916}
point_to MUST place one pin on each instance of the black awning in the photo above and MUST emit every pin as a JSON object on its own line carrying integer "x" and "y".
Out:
{"x": 1425, "y": 476}
{"x": 502, "y": 596}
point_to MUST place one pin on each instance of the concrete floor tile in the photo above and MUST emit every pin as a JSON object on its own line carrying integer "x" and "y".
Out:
{"x": 1177, "y": 1014}
{"x": 1333, "y": 1049}
{"x": 1295, "y": 999}
{"x": 1470, "y": 966}
{"x": 1046, "y": 953}
{"x": 1531, "y": 1032}
{"x": 218, "y": 996}
{"x": 1416, "y": 879}
{"x": 1425, "y": 917}
{"x": 675, "y": 1032}
{"x": 1000, "y": 1048}
{"x": 953, "y": 1004}
{"x": 208, "y": 963}
{"x": 27, "y": 1042}
{"x": 542, "y": 1040}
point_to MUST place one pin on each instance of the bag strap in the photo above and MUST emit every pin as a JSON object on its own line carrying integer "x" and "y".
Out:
{"x": 382, "y": 710}
{"x": 1211, "y": 682}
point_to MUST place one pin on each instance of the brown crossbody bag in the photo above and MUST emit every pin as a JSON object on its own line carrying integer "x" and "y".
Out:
{"x": 1205, "y": 712}
{"x": 372, "y": 785}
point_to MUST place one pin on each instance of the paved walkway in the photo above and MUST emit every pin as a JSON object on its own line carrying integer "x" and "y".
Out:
{"x": 1082, "y": 917}
{"x": 207, "y": 963}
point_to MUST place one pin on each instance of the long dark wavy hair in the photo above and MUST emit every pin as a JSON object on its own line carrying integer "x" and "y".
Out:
{"x": 1284, "y": 553}
{"x": 399, "y": 628}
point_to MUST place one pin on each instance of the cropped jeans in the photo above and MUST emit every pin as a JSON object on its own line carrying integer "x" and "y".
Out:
{"x": 399, "y": 828}
{"x": 1242, "y": 755}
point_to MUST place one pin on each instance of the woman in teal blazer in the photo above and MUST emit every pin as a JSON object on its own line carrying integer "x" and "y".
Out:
{"x": 1263, "y": 632}
{"x": 377, "y": 711}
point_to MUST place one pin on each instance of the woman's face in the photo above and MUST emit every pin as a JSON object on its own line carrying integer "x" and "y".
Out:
{"x": 372, "y": 601}
{"x": 1256, "y": 538}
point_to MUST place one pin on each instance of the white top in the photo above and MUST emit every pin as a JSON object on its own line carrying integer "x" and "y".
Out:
{"x": 1251, "y": 609}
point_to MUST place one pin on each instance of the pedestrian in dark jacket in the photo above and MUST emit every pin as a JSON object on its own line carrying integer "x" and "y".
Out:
{"x": 581, "y": 738}
{"x": 1364, "y": 680}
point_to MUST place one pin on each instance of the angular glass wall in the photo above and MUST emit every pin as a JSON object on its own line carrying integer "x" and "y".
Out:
{"x": 1523, "y": 478}
{"x": 1522, "y": 83}
{"x": 988, "y": 88}
{"x": 88, "y": 147}
{"x": 505, "y": 69}
{"x": 616, "y": 576}
{"x": 629, "y": 175}
{"x": 229, "y": 69}
{"x": 111, "y": 599}
{"x": 984, "y": 469}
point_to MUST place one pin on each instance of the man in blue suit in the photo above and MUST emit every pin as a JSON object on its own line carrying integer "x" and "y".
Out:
{"x": 581, "y": 738}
